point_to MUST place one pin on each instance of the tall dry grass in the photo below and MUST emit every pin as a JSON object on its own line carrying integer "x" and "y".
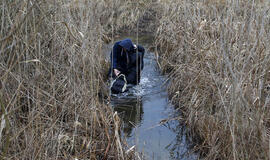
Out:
{"x": 52, "y": 73}
{"x": 217, "y": 56}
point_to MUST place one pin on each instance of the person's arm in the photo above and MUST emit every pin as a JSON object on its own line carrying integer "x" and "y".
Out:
{"x": 115, "y": 59}
{"x": 141, "y": 50}
{"x": 141, "y": 60}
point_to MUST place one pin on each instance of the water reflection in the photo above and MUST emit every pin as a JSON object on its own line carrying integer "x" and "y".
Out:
{"x": 182, "y": 146}
{"x": 131, "y": 112}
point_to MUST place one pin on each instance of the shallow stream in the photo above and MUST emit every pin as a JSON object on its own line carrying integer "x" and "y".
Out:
{"x": 145, "y": 110}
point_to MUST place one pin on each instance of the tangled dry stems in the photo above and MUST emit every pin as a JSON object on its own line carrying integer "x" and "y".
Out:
{"x": 52, "y": 72}
{"x": 217, "y": 55}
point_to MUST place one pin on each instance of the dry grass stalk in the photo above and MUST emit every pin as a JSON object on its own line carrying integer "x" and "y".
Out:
{"x": 52, "y": 73}
{"x": 218, "y": 59}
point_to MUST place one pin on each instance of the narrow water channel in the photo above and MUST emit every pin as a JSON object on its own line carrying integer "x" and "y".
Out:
{"x": 144, "y": 109}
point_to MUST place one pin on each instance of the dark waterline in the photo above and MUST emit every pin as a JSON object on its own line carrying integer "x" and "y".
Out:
{"x": 144, "y": 110}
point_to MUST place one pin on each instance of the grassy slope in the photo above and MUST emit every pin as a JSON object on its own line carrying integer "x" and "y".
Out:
{"x": 217, "y": 56}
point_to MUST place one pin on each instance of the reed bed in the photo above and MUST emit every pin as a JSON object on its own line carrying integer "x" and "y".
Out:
{"x": 52, "y": 73}
{"x": 216, "y": 53}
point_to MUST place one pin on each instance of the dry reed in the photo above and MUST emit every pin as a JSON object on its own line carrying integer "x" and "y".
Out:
{"x": 52, "y": 73}
{"x": 217, "y": 56}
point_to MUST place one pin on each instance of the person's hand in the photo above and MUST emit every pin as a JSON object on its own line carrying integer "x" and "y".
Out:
{"x": 116, "y": 72}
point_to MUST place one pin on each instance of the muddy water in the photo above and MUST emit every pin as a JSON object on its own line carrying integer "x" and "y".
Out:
{"x": 144, "y": 110}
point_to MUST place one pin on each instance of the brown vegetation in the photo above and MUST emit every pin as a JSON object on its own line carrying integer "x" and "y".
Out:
{"x": 217, "y": 56}
{"x": 52, "y": 73}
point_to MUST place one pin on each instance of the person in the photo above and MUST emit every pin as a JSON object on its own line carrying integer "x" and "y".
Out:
{"x": 127, "y": 59}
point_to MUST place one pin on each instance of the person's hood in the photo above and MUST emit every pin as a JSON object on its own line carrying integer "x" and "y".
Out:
{"x": 127, "y": 44}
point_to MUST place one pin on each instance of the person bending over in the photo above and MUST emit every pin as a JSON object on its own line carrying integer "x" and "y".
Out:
{"x": 127, "y": 59}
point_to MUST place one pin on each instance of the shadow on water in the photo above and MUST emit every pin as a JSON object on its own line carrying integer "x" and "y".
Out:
{"x": 142, "y": 110}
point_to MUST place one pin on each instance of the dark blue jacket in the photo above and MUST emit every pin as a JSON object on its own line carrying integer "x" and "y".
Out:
{"x": 125, "y": 61}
